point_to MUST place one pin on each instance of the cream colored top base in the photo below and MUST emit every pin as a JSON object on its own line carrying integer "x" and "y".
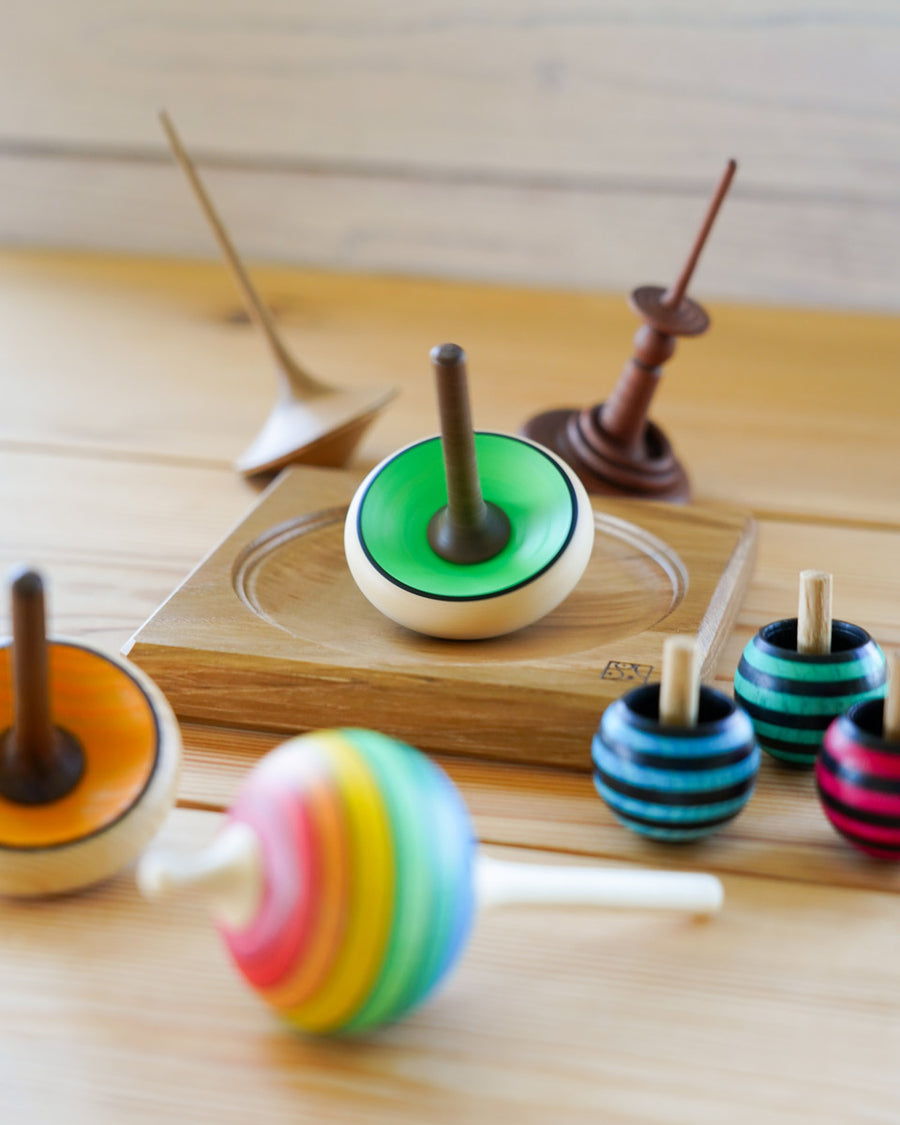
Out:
{"x": 477, "y": 618}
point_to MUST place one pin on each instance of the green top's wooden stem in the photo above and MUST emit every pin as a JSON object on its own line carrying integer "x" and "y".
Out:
{"x": 469, "y": 529}
{"x": 38, "y": 761}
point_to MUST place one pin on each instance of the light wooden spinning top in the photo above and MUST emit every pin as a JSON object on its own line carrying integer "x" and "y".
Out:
{"x": 470, "y": 534}
{"x": 89, "y": 756}
{"x": 612, "y": 446}
{"x": 312, "y": 422}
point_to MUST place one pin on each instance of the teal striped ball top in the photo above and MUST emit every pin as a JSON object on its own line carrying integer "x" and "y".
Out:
{"x": 792, "y": 697}
{"x": 671, "y": 783}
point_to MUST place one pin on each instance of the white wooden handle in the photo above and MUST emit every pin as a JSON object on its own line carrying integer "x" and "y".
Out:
{"x": 500, "y": 883}
{"x": 228, "y": 873}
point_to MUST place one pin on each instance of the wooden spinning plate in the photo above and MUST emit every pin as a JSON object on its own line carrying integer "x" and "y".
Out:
{"x": 271, "y": 633}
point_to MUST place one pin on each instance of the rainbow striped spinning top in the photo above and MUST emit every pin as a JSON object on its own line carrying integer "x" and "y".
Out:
{"x": 345, "y": 879}
{"x": 368, "y": 851}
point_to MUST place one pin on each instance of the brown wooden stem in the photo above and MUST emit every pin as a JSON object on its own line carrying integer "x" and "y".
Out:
{"x": 674, "y": 295}
{"x": 624, "y": 414}
{"x": 38, "y": 761}
{"x": 468, "y": 529}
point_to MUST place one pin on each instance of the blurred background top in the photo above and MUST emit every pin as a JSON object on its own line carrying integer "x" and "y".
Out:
{"x": 570, "y": 143}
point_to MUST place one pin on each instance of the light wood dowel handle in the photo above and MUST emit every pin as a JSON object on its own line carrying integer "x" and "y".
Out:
{"x": 499, "y": 883}
{"x": 891, "y": 732}
{"x": 814, "y": 613}
{"x": 679, "y": 692}
{"x": 228, "y": 873}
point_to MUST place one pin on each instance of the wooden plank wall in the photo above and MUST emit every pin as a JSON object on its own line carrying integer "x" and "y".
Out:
{"x": 562, "y": 142}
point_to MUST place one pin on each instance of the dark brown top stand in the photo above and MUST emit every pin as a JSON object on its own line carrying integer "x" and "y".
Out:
{"x": 613, "y": 447}
{"x": 468, "y": 529}
{"x": 38, "y": 762}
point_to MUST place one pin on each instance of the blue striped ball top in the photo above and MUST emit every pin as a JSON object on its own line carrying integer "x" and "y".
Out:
{"x": 674, "y": 783}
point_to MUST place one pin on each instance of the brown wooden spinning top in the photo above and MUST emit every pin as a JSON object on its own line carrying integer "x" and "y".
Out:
{"x": 612, "y": 446}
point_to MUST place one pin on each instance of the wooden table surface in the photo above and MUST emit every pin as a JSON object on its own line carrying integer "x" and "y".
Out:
{"x": 128, "y": 386}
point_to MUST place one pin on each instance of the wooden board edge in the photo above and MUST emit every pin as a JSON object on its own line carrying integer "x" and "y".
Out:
{"x": 727, "y": 599}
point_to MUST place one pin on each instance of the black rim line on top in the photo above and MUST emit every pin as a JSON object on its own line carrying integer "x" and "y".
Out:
{"x": 110, "y": 823}
{"x": 468, "y": 597}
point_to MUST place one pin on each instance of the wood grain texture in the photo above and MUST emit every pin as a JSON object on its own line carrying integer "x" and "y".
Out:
{"x": 781, "y": 834}
{"x": 174, "y": 339}
{"x": 568, "y": 145}
{"x": 515, "y": 1032}
{"x": 128, "y": 387}
{"x": 270, "y": 632}
{"x": 821, "y": 251}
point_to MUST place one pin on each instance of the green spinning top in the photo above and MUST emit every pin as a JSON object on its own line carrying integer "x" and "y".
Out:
{"x": 468, "y": 535}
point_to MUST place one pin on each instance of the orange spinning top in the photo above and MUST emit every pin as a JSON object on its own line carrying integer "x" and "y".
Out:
{"x": 89, "y": 756}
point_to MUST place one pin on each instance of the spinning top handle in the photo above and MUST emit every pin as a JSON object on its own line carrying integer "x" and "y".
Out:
{"x": 891, "y": 730}
{"x": 679, "y": 692}
{"x": 304, "y": 384}
{"x": 675, "y": 293}
{"x": 39, "y": 762}
{"x": 31, "y": 681}
{"x": 468, "y": 530}
{"x": 814, "y": 613}
{"x": 229, "y": 874}
{"x": 500, "y": 883}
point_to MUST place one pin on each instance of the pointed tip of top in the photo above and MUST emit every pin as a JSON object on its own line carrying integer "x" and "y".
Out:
{"x": 448, "y": 355}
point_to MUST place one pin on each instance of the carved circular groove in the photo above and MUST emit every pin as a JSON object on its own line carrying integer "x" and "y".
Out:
{"x": 295, "y": 577}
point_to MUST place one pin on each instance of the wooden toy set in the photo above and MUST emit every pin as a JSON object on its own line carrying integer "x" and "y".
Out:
{"x": 466, "y": 595}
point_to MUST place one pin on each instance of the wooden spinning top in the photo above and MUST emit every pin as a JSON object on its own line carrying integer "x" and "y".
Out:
{"x": 311, "y": 422}
{"x": 89, "y": 756}
{"x": 467, "y": 535}
{"x": 612, "y": 446}
{"x": 347, "y": 877}
{"x": 858, "y": 771}
{"x": 675, "y": 761}
{"x": 798, "y": 674}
